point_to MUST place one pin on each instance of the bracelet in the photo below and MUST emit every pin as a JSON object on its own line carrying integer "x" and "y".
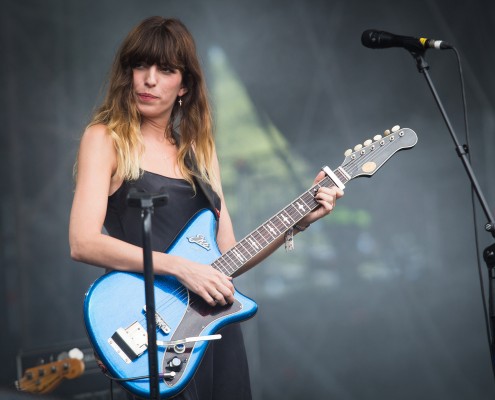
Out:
{"x": 289, "y": 240}
{"x": 301, "y": 228}
{"x": 289, "y": 236}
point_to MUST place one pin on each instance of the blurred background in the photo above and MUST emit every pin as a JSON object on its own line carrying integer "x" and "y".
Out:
{"x": 382, "y": 300}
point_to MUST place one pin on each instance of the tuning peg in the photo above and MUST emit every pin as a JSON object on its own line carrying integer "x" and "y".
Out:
{"x": 367, "y": 142}
{"x": 395, "y": 128}
{"x": 348, "y": 152}
{"x": 376, "y": 138}
{"x": 386, "y": 132}
{"x": 358, "y": 147}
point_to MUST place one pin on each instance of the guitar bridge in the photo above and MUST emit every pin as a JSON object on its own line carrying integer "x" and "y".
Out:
{"x": 129, "y": 343}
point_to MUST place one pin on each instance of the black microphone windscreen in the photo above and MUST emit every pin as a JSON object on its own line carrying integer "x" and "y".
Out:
{"x": 366, "y": 38}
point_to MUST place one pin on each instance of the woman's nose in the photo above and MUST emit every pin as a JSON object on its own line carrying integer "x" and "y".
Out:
{"x": 151, "y": 76}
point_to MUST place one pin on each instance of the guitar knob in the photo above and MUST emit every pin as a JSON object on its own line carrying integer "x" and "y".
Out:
{"x": 376, "y": 138}
{"x": 175, "y": 364}
{"x": 386, "y": 133}
{"x": 358, "y": 147}
{"x": 367, "y": 142}
{"x": 348, "y": 152}
{"x": 395, "y": 128}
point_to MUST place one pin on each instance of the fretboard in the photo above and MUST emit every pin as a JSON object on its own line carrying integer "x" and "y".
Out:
{"x": 271, "y": 230}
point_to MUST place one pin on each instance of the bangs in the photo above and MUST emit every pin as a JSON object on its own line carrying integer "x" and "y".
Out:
{"x": 154, "y": 45}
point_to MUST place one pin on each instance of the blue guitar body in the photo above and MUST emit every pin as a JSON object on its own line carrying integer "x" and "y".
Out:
{"x": 116, "y": 321}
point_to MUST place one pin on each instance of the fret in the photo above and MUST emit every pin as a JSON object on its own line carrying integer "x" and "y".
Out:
{"x": 272, "y": 228}
{"x": 274, "y": 225}
{"x": 239, "y": 255}
{"x": 227, "y": 262}
{"x": 269, "y": 237}
{"x": 341, "y": 175}
{"x": 254, "y": 244}
{"x": 260, "y": 238}
{"x": 310, "y": 200}
{"x": 224, "y": 269}
{"x": 245, "y": 245}
{"x": 289, "y": 213}
{"x": 305, "y": 198}
{"x": 232, "y": 259}
{"x": 281, "y": 224}
{"x": 298, "y": 209}
{"x": 284, "y": 218}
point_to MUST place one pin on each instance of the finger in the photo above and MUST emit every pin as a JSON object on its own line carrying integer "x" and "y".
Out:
{"x": 219, "y": 299}
{"x": 213, "y": 302}
{"x": 319, "y": 177}
{"x": 226, "y": 281}
{"x": 207, "y": 297}
{"x": 325, "y": 196}
{"x": 227, "y": 294}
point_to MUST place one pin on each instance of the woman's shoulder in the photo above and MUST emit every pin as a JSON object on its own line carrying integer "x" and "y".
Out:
{"x": 97, "y": 137}
{"x": 97, "y": 141}
{"x": 97, "y": 132}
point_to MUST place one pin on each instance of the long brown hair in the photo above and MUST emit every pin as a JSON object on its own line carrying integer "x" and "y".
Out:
{"x": 168, "y": 44}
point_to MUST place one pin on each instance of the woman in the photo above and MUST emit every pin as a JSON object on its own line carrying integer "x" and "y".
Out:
{"x": 154, "y": 131}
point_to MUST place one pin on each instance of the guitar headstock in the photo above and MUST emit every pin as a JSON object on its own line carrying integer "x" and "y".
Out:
{"x": 368, "y": 157}
{"x": 45, "y": 378}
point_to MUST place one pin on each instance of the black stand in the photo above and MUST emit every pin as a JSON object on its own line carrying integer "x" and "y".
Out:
{"x": 489, "y": 252}
{"x": 147, "y": 202}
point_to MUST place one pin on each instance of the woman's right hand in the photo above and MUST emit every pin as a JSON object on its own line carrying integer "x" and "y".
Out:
{"x": 204, "y": 280}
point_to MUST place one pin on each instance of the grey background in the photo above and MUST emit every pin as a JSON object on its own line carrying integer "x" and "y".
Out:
{"x": 412, "y": 327}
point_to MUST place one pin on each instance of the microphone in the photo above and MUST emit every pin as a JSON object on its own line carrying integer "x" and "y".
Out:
{"x": 381, "y": 40}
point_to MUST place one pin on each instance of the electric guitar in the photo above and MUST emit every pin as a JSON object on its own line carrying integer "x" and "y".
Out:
{"x": 45, "y": 378}
{"x": 114, "y": 311}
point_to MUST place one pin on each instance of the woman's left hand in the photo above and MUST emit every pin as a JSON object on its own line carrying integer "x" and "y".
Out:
{"x": 326, "y": 197}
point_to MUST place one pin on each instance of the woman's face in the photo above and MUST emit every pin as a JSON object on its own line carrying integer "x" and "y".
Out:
{"x": 156, "y": 90}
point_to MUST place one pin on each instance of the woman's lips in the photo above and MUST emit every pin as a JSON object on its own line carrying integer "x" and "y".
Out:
{"x": 146, "y": 97}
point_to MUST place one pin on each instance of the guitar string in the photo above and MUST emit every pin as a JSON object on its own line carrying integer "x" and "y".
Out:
{"x": 180, "y": 293}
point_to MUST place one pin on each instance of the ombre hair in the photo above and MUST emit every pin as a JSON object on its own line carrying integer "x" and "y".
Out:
{"x": 168, "y": 44}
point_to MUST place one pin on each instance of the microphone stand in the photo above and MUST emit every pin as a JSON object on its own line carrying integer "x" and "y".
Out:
{"x": 462, "y": 151}
{"x": 147, "y": 202}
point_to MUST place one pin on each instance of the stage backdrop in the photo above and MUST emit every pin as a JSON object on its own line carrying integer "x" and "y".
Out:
{"x": 380, "y": 300}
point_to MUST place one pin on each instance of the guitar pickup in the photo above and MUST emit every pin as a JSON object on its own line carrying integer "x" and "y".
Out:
{"x": 129, "y": 343}
{"x": 160, "y": 322}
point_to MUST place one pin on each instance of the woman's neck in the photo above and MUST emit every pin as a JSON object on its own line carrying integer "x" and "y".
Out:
{"x": 156, "y": 130}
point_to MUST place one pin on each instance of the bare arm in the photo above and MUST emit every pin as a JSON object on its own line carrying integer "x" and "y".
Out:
{"x": 96, "y": 180}
{"x": 326, "y": 197}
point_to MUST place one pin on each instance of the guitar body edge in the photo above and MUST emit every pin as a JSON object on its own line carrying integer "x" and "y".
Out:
{"x": 116, "y": 321}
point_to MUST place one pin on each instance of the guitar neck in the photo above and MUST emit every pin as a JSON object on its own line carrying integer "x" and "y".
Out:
{"x": 235, "y": 258}
{"x": 364, "y": 161}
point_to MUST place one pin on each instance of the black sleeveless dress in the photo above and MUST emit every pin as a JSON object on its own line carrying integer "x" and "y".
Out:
{"x": 223, "y": 373}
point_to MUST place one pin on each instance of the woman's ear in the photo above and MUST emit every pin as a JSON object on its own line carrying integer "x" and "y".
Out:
{"x": 182, "y": 91}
